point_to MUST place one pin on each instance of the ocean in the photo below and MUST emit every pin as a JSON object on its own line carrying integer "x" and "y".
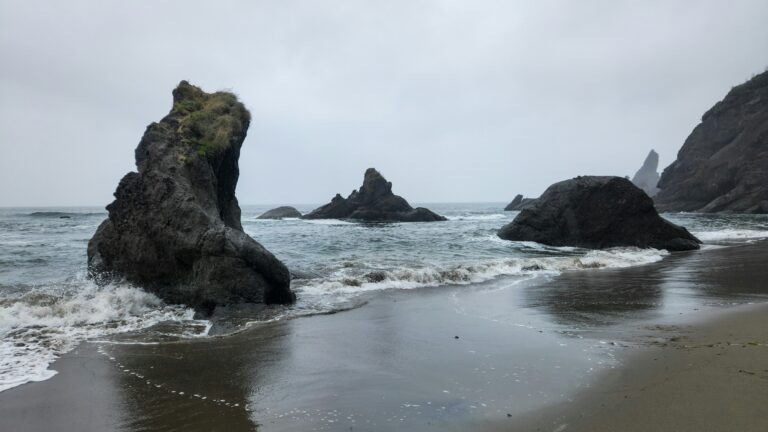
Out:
{"x": 48, "y": 305}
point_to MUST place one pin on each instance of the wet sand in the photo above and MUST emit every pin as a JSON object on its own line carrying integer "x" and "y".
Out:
{"x": 708, "y": 377}
{"x": 506, "y": 355}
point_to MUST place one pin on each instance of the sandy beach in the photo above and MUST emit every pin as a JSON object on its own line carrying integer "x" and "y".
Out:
{"x": 651, "y": 347}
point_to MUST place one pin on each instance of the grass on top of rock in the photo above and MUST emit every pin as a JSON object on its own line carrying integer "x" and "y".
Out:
{"x": 210, "y": 122}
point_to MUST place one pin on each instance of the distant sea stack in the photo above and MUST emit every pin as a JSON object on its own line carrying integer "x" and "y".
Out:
{"x": 647, "y": 177}
{"x": 597, "y": 212}
{"x": 374, "y": 202}
{"x": 280, "y": 213}
{"x": 174, "y": 226}
{"x": 519, "y": 203}
{"x": 723, "y": 164}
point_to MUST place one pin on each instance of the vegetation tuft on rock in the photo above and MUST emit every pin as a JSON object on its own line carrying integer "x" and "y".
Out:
{"x": 209, "y": 123}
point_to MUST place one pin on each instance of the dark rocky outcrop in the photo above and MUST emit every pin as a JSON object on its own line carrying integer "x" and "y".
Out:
{"x": 647, "y": 177}
{"x": 280, "y": 213}
{"x": 519, "y": 203}
{"x": 723, "y": 164}
{"x": 374, "y": 202}
{"x": 597, "y": 212}
{"x": 174, "y": 227}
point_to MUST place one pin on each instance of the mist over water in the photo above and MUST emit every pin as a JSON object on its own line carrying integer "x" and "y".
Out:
{"x": 48, "y": 306}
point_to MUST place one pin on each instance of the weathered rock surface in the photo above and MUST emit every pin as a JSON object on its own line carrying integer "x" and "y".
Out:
{"x": 174, "y": 227}
{"x": 374, "y": 202}
{"x": 280, "y": 213}
{"x": 519, "y": 203}
{"x": 597, "y": 212}
{"x": 723, "y": 164}
{"x": 647, "y": 177}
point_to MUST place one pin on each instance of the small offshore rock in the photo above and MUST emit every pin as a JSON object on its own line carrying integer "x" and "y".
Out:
{"x": 375, "y": 276}
{"x": 280, "y": 213}
{"x": 374, "y": 202}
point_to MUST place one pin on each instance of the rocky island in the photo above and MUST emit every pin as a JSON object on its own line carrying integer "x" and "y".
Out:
{"x": 174, "y": 226}
{"x": 723, "y": 164}
{"x": 374, "y": 202}
{"x": 519, "y": 203}
{"x": 280, "y": 213}
{"x": 597, "y": 212}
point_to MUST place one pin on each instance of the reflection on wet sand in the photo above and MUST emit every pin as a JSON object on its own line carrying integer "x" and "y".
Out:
{"x": 730, "y": 274}
{"x": 428, "y": 359}
{"x": 608, "y": 297}
{"x": 200, "y": 385}
{"x": 599, "y": 297}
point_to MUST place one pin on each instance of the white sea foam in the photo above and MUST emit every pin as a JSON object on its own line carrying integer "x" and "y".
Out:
{"x": 479, "y": 217}
{"x": 275, "y": 220}
{"x": 731, "y": 234}
{"x": 327, "y": 222}
{"x": 342, "y": 285}
{"x": 45, "y": 323}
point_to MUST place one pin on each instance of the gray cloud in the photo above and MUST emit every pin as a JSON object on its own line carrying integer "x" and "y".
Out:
{"x": 452, "y": 101}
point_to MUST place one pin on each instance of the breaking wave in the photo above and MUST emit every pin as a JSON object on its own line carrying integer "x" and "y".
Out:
{"x": 479, "y": 217}
{"x": 351, "y": 282}
{"x": 42, "y": 323}
{"x": 730, "y": 234}
{"x": 327, "y": 222}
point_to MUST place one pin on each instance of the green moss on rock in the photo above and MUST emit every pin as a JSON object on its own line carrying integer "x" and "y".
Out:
{"x": 209, "y": 123}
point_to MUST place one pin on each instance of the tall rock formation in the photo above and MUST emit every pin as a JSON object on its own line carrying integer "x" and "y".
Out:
{"x": 374, "y": 202}
{"x": 597, "y": 212}
{"x": 723, "y": 164}
{"x": 174, "y": 227}
{"x": 647, "y": 177}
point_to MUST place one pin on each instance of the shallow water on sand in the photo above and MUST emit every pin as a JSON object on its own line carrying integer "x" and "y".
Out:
{"x": 439, "y": 358}
{"x": 423, "y": 284}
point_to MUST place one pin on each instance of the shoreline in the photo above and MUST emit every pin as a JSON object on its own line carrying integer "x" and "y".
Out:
{"x": 405, "y": 346}
{"x": 711, "y": 376}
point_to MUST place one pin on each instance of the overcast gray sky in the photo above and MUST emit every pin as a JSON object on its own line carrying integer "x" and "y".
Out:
{"x": 450, "y": 100}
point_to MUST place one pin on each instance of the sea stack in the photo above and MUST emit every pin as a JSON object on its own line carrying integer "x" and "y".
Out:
{"x": 174, "y": 226}
{"x": 519, "y": 203}
{"x": 596, "y": 213}
{"x": 374, "y": 202}
{"x": 280, "y": 213}
{"x": 647, "y": 177}
{"x": 723, "y": 164}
